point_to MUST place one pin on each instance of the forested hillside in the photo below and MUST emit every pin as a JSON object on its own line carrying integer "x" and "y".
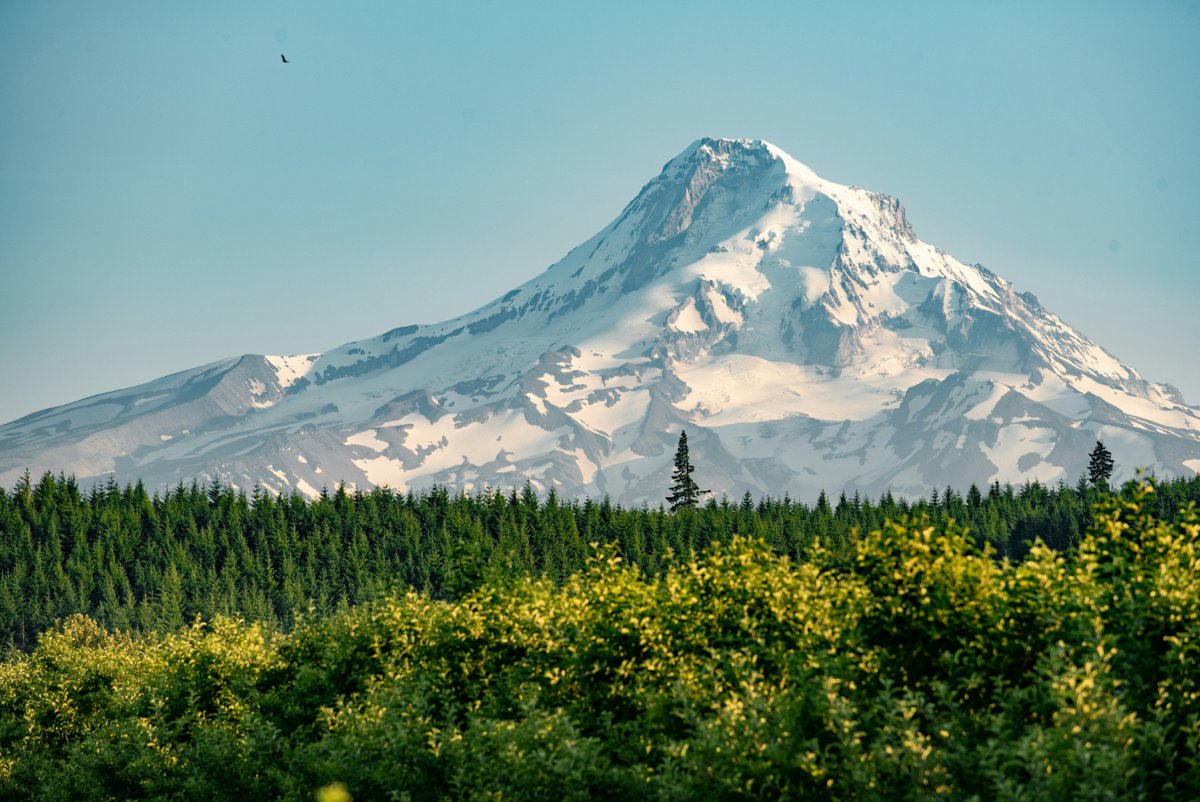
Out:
{"x": 906, "y": 665}
{"x": 135, "y": 561}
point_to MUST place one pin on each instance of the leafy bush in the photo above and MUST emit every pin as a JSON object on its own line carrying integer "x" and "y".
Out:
{"x": 916, "y": 665}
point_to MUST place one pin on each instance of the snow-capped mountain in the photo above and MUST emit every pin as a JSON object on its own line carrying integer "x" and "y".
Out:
{"x": 797, "y": 328}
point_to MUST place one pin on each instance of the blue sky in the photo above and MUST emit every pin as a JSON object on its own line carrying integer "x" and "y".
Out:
{"x": 171, "y": 193}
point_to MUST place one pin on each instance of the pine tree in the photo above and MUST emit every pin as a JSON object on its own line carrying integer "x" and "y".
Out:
{"x": 1100, "y": 465}
{"x": 684, "y": 490}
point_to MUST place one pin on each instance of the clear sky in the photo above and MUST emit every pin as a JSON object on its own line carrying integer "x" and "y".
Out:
{"x": 171, "y": 193}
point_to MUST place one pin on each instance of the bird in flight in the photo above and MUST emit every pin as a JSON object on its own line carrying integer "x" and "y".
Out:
{"x": 285, "y": 61}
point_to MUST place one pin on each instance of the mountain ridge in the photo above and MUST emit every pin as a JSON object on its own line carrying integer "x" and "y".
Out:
{"x": 798, "y": 328}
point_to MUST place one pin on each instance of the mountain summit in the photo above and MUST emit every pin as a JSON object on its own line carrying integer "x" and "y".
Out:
{"x": 797, "y": 328}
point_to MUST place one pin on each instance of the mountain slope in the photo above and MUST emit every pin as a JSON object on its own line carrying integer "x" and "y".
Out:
{"x": 797, "y": 328}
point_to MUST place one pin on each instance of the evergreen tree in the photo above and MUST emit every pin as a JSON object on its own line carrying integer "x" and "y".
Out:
{"x": 1100, "y": 465}
{"x": 684, "y": 490}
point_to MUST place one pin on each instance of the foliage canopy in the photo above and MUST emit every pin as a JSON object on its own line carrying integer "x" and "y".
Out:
{"x": 911, "y": 665}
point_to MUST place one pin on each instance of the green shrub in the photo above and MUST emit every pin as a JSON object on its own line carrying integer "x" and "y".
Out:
{"x": 916, "y": 666}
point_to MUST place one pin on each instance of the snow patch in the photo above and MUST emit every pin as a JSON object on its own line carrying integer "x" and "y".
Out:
{"x": 288, "y": 369}
{"x": 608, "y": 414}
{"x": 472, "y": 445}
{"x": 368, "y": 439}
{"x": 816, "y": 283}
{"x": 687, "y": 318}
{"x": 1014, "y": 445}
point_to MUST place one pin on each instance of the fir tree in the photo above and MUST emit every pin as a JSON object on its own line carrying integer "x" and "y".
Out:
{"x": 1100, "y": 465}
{"x": 684, "y": 490}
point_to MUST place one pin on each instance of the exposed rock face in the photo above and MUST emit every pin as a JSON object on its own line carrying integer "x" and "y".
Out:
{"x": 797, "y": 328}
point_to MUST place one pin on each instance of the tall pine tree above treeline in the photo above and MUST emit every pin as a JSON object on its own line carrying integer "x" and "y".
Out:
{"x": 138, "y": 561}
{"x": 1100, "y": 465}
{"x": 684, "y": 490}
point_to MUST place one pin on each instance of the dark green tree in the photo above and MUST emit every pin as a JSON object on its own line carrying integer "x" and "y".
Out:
{"x": 684, "y": 490}
{"x": 1100, "y": 465}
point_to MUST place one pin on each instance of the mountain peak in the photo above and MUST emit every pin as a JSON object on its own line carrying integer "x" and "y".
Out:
{"x": 722, "y": 154}
{"x": 709, "y": 191}
{"x": 798, "y": 328}
{"x": 710, "y": 146}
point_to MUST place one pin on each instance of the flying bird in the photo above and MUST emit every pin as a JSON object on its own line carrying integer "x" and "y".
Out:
{"x": 285, "y": 61}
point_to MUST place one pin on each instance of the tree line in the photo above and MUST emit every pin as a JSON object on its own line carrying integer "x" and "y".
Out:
{"x": 135, "y": 561}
